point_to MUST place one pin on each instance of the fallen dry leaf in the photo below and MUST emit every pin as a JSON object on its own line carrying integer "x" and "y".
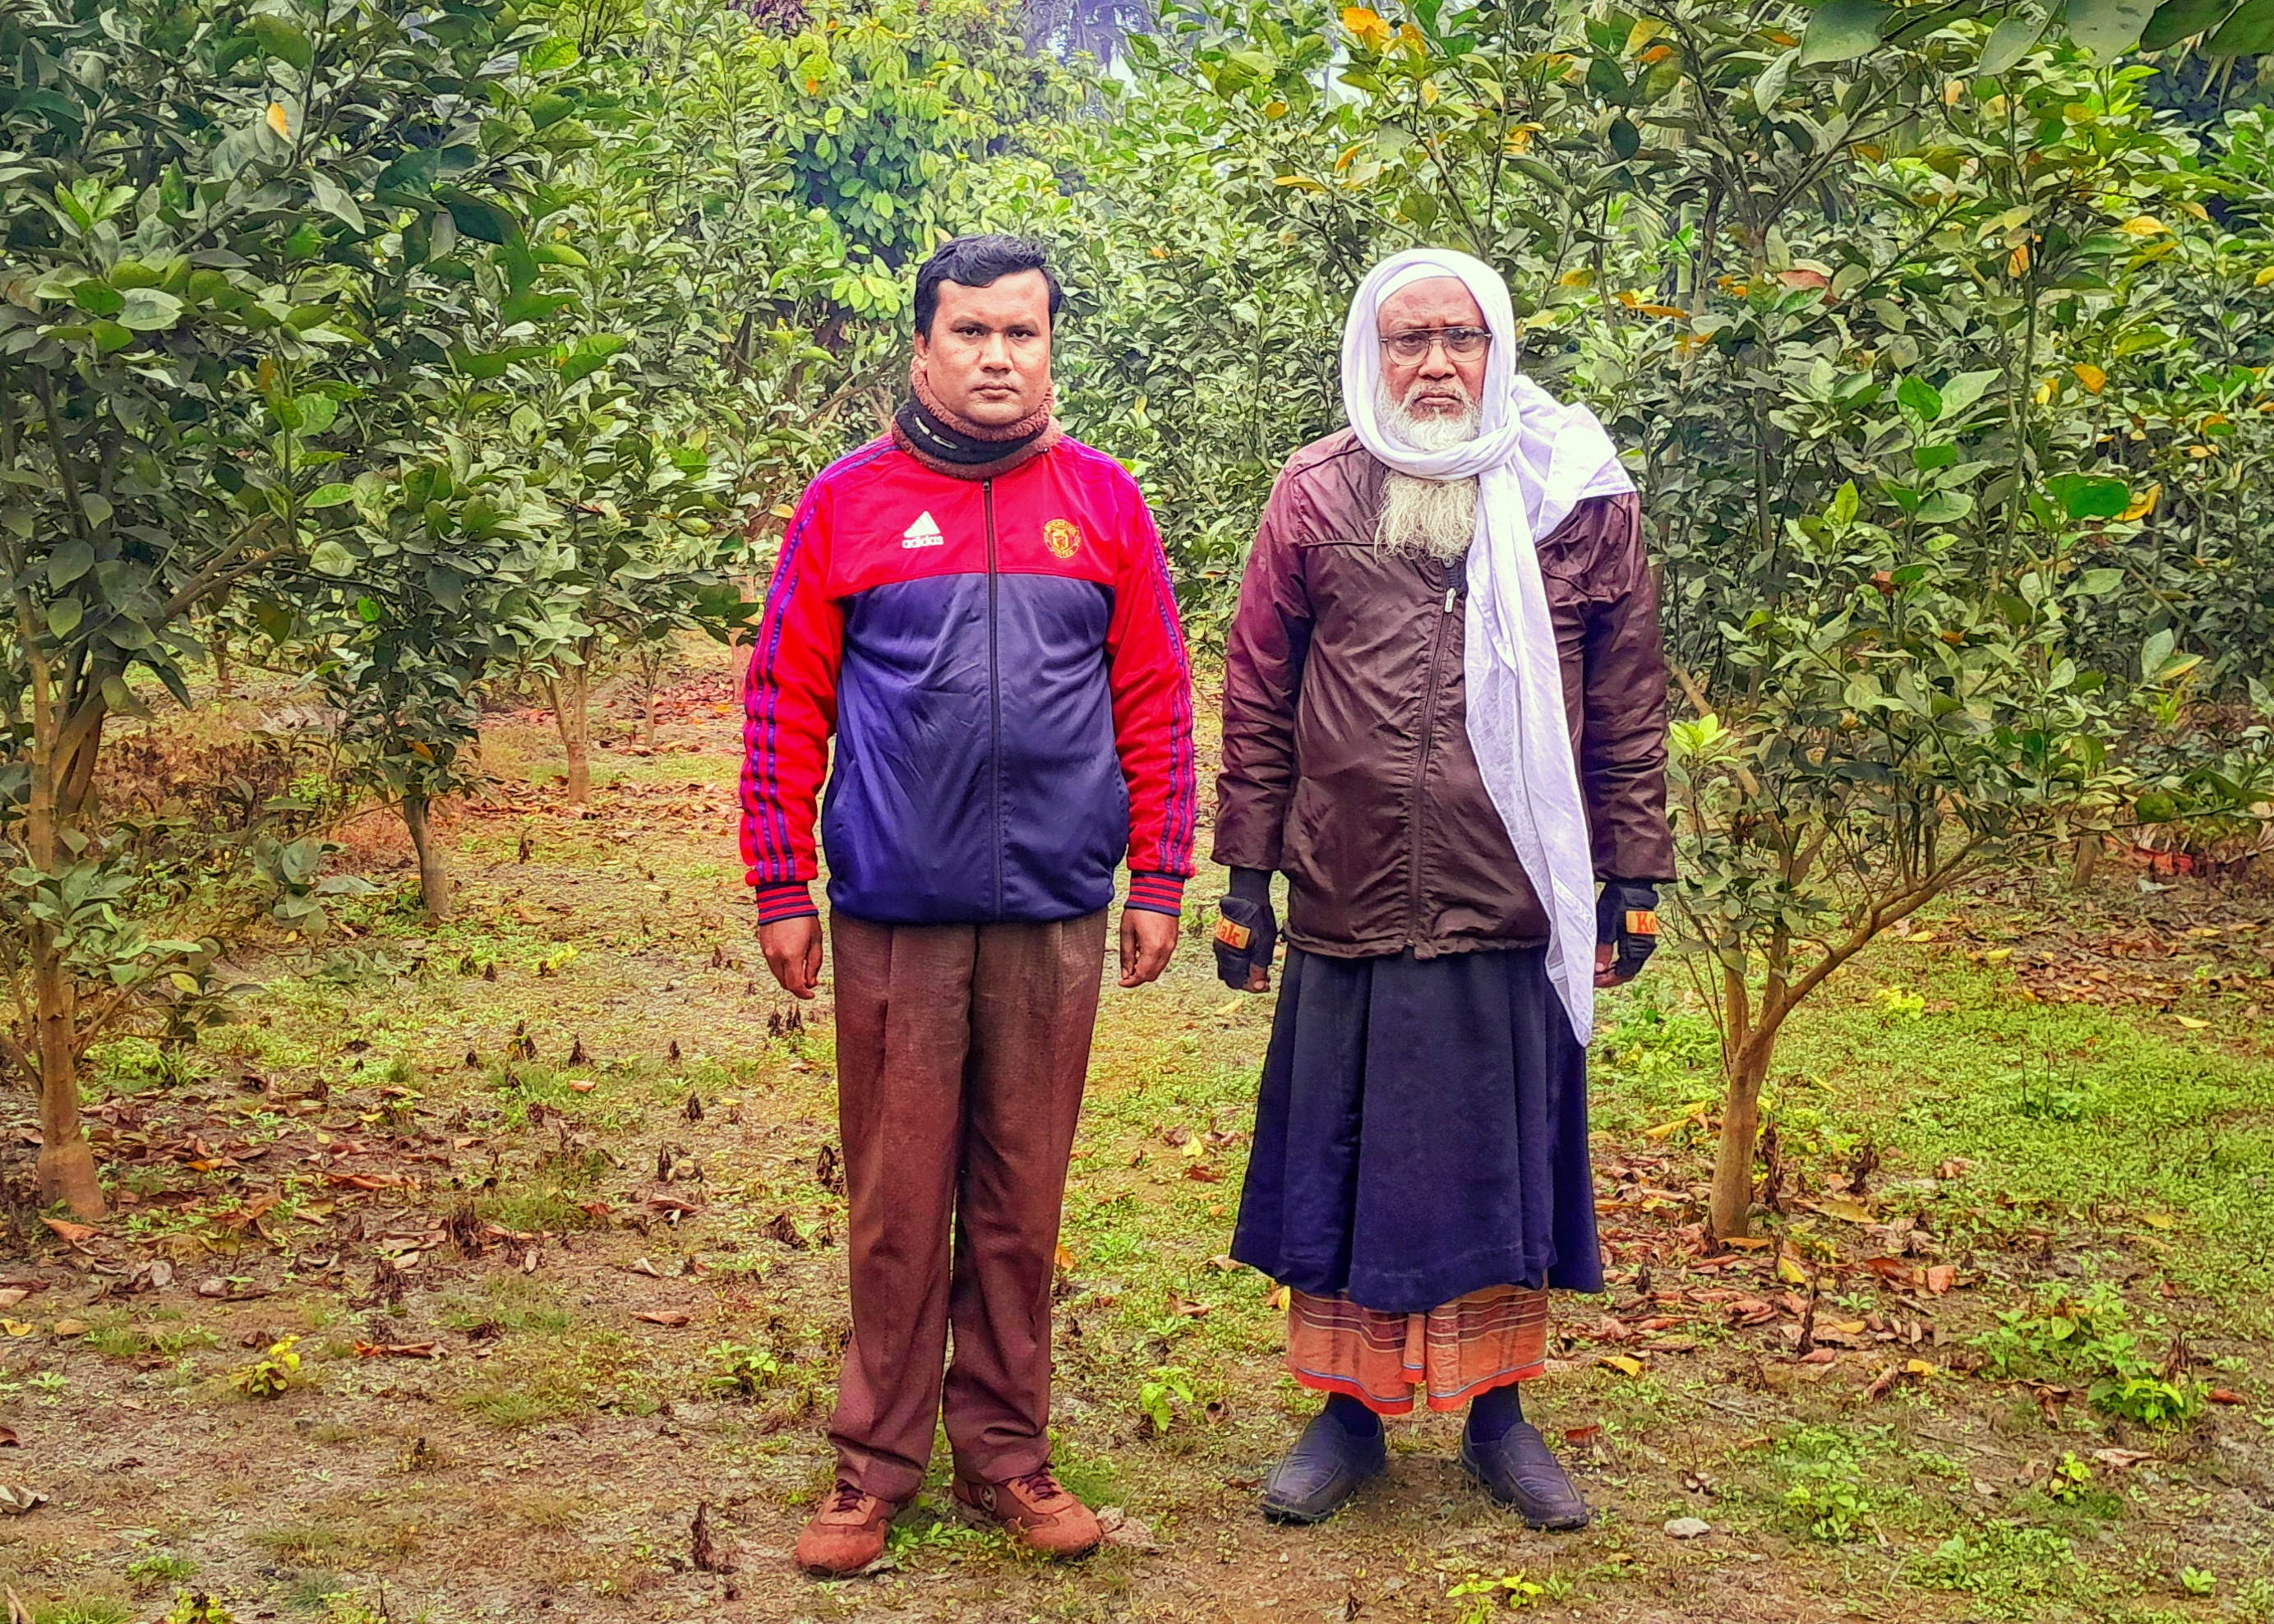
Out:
{"x": 667, "y": 1316}
{"x": 399, "y": 1351}
{"x": 1941, "y": 1278}
{"x": 1622, "y": 1364}
{"x": 72, "y": 1232}
{"x": 12, "y": 1295}
{"x": 71, "y": 1328}
{"x": 15, "y": 1501}
{"x": 8, "y": 1439}
{"x": 2225, "y": 1395}
{"x": 2122, "y": 1459}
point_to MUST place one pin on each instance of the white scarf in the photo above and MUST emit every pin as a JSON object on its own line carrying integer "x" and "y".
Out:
{"x": 1534, "y": 459}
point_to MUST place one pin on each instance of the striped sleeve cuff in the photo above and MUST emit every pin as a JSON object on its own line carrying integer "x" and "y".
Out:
{"x": 791, "y": 899}
{"x": 1156, "y": 893}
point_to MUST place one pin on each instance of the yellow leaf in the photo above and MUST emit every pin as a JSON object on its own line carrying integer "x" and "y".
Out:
{"x": 1279, "y": 1298}
{"x": 2145, "y": 225}
{"x": 1622, "y": 1364}
{"x": 1789, "y": 1270}
{"x": 1275, "y": 109}
{"x": 2264, "y": 278}
{"x": 1919, "y": 1367}
{"x": 1428, "y": 92}
{"x": 15, "y": 1327}
{"x": 2191, "y": 1023}
{"x": 1366, "y": 24}
{"x": 2197, "y": 210}
{"x": 1846, "y": 1211}
{"x": 1641, "y": 33}
{"x": 2091, "y": 377}
{"x": 279, "y": 120}
{"x": 2157, "y": 1220}
{"x": 783, "y": 510}
{"x": 1576, "y": 279}
{"x": 1746, "y": 1242}
{"x": 1853, "y": 1328}
{"x": 2045, "y": 390}
{"x": 2017, "y": 263}
{"x": 1997, "y": 955}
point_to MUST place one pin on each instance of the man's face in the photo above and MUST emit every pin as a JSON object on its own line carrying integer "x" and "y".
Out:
{"x": 988, "y": 355}
{"x": 1436, "y": 383}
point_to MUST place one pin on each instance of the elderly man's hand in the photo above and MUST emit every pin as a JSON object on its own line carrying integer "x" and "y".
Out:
{"x": 792, "y": 951}
{"x": 1626, "y": 930}
{"x": 1148, "y": 941}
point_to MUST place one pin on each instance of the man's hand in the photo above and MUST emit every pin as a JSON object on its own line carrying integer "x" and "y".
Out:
{"x": 1147, "y": 940}
{"x": 792, "y": 951}
{"x": 1626, "y": 930}
{"x": 1246, "y": 935}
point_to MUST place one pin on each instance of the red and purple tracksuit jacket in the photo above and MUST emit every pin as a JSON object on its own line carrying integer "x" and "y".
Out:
{"x": 1002, "y": 665}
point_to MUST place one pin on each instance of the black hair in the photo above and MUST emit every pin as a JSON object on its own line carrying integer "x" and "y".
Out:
{"x": 980, "y": 262}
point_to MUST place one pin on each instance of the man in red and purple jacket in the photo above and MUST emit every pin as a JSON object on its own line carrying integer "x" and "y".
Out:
{"x": 978, "y": 609}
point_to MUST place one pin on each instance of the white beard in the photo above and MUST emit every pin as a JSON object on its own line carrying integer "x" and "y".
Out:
{"x": 1426, "y": 518}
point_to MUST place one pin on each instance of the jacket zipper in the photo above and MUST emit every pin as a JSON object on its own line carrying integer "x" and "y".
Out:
{"x": 993, "y": 700}
{"x": 1421, "y": 772}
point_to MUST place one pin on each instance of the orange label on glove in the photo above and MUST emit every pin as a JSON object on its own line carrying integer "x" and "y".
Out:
{"x": 1234, "y": 937}
{"x": 1641, "y": 921}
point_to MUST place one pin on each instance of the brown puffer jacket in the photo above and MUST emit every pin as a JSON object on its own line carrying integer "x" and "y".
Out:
{"x": 1346, "y": 758}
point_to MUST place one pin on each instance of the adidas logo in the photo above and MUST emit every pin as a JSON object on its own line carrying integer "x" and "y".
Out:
{"x": 924, "y": 533}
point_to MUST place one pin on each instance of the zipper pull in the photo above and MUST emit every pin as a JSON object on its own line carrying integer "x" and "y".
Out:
{"x": 1449, "y": 600}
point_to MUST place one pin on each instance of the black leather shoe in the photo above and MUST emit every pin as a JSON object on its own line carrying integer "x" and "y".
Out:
{"x": 1321, "y": 1471}
{"x": 1520, "y": 1471}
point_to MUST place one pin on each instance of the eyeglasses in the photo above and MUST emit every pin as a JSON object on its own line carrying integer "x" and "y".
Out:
{"x": 1461, "y": 344}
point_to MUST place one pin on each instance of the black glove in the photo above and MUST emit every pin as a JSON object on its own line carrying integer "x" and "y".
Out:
{"x": 1246, "y": 933}
{"x": 1626, "y": 916}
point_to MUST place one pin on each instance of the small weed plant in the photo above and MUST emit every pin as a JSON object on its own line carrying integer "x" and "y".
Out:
{"x": 197, "y": 1607}
{"x": 2089, "y": 1338}
{"x": 1485, "y": 1597}
{"x": 1161, "y": 1391}
{"x": 2001, "y": 1562}
{"x": 154, "y": 1568}
{"x": 743, "y": 1368}
{"x": 273, "y": 1373}
{"x": 1826, "y": 1497}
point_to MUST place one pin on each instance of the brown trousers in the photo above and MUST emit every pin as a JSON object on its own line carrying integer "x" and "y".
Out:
{"x": 960, "y": 1054}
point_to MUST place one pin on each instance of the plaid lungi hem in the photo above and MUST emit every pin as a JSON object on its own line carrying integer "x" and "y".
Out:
{"x": 1457, "y": 1350}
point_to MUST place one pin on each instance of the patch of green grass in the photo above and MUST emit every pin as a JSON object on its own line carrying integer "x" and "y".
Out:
{"x": 83, "y": 1610}
{"x": 155, "y": 1568}
{"x": 2006, "y": 1567}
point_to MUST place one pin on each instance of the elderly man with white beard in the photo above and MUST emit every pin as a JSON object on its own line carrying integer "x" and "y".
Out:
{"x": 1444, "y": 721}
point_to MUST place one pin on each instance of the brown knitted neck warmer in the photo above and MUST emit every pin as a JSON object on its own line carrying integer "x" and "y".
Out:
{"x": 954, "y": 446}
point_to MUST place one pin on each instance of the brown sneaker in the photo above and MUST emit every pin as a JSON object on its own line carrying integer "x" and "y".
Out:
{"x": 846, "y": 1534}
{"x": 1037, "y": 1510}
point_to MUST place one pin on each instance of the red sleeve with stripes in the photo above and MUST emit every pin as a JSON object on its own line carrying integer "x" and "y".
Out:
{"x": 789, "y": 710}
{"x": 1152, "y": 685}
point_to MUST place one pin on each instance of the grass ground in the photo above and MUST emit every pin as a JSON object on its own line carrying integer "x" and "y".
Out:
{"x": 546, "y": 1198}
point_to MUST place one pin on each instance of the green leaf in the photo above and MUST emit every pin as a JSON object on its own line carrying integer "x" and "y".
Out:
{"x": 281, "y": 40}
{"x": 2108, "y": 28}
{"x": 1604, "y": 79}
{"x": 330, "y": 495}
{"x": 328, "y": 558}
{"x": 2089, "y": 496}
{"x": 549, "y": 55}
{"x": 148, "y": 310}
{"x": 97, "y": 298}
{"x": 71, "y": 559}
{"x": 1769, "y": 88}
{"x": 2155, "y": 651}
{"x": 590, "y": 356}
{"x": 2009, "y": 41}
{"x": 64, "y": 616}
{"x": 1920, "y": 398}
{"x": 482, "y": 220}
{"x": 333, "y": 198}
{"x": 1842, "y": 30}
{"x": 1626, "y": 140}
{"x": 2248, "y": 33}
{"x": 2099, "y": 583}
{"x": 2182, "y": 19}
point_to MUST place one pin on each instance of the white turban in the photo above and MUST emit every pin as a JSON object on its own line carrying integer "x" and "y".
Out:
{"x": 1534, "y": 460}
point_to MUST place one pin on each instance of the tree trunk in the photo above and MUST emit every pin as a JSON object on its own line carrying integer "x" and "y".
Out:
{"x": 650, "y": 679}
{"x": 2085, "y": 862}
{"x": 1740, "y": 1125}
{"x": 433, "y": 875}
{"x": 66, "y": 1167}
{"x": 222, "y": 684}
{"x": 571, "y": 692}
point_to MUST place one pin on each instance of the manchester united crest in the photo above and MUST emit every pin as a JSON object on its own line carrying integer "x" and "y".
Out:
{"x": 1063, "y": 538}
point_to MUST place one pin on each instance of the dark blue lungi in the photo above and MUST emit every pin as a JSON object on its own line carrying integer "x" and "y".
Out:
{"x": 1422, "y": 1132}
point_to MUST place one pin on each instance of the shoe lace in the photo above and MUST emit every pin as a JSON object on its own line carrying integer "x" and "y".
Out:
{"x": 1039, "y": 1483}
{"x": 846, "y": 1496}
